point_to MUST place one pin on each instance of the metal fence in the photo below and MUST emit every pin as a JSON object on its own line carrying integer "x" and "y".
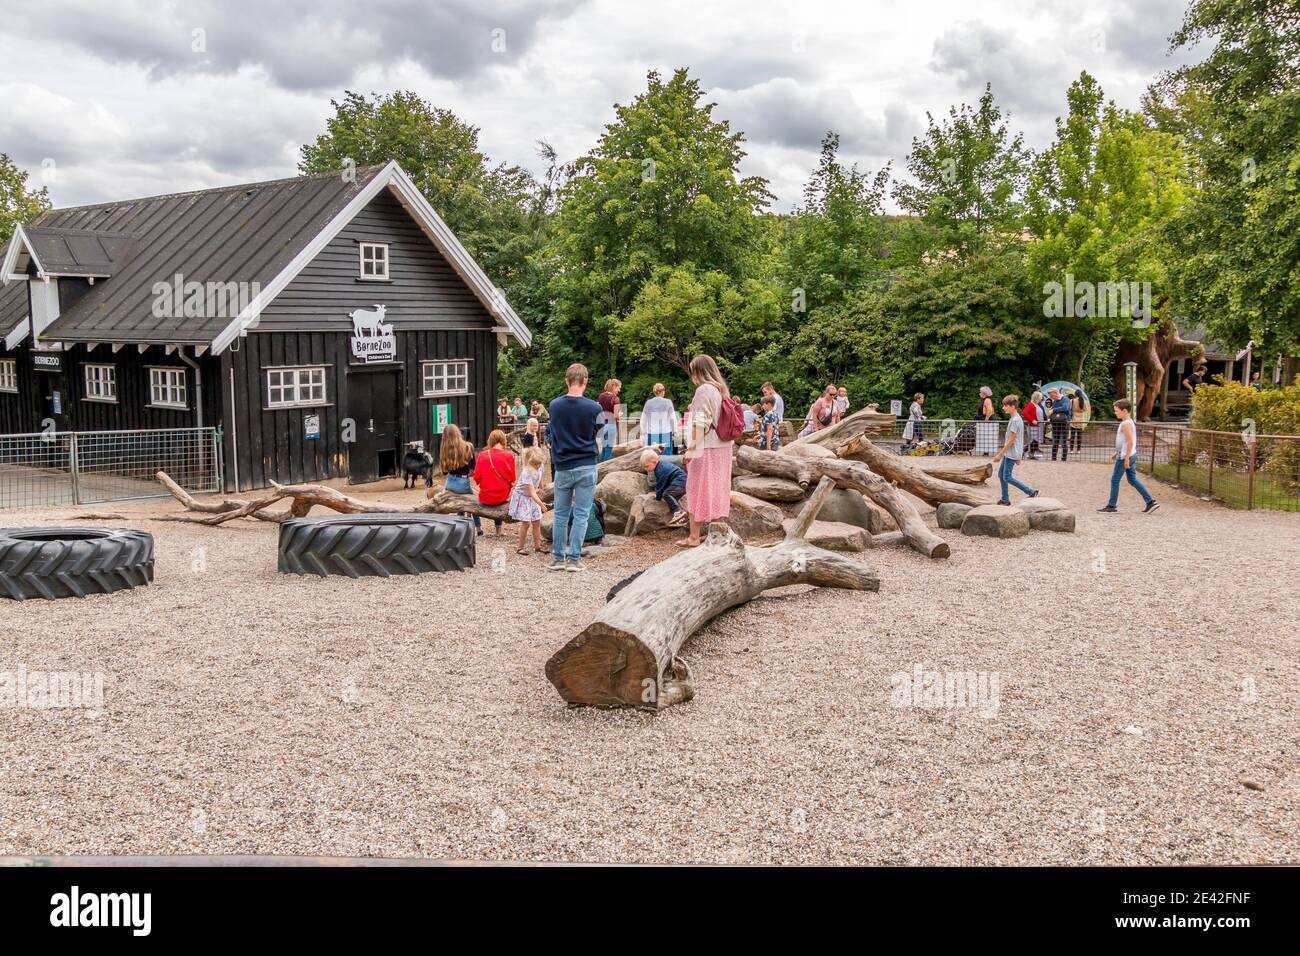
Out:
{"x": 48, "y": 469}
{"x": 1241, "y": 470}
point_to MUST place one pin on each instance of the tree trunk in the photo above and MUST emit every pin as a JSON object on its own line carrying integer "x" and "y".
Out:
{"x": 864, "y": 420}
{"x": 1154, "y": 355}
{"x": 933, "y": 491}
{"x": 767, "y": 488}
{"x": 855, "y": 475}
{"x": 962, "y": 471}
{"x": 628, "y": 656}
{"x": 450, "y": 503}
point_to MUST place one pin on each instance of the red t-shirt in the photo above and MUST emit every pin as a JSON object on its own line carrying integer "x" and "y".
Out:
{"x": 494, "y": 485}
{"x": 1030, "y": 413}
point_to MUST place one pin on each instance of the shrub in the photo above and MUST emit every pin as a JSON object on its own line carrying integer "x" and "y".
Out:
{"x": 1231, "y": 407}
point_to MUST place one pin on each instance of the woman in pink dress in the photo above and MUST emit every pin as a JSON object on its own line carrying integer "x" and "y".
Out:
{"x": 708, "y": 458}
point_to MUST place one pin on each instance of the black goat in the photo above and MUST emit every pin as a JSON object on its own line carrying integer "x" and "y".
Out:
{"x": 417, "y": 462}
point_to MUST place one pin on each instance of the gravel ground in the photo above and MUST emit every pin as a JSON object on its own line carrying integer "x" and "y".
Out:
{"x": 1146, "y": 669}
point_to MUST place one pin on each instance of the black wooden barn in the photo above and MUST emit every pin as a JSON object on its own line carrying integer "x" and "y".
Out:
{"x": 320, "y": 323}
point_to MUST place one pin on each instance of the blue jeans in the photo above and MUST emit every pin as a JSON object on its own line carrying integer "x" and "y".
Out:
{"x": 1131, "y": 474}
{"x": 459, "y": 484}
{"x": 661, "y": 438}
{"x": 574, "y": 490}
{"x": 608, "y": 439}
{"x": 1005, "y": 477}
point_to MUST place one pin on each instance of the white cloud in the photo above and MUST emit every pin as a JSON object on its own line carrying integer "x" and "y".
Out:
{"x": 116, "y": 95}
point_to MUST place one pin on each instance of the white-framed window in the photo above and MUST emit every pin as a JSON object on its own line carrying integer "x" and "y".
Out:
{"x": 167, "y": 387}
{"x": 287, "y": 387}
{"x": 8, "y": 375}
{"x": 101, "y": 382}
{"x": 445, "y": 378}
{"x": 374, "y": 260}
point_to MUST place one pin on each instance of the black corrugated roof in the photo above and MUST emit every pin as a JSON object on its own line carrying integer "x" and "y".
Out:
{"x": 247, "y": 233}
{"x": 13, "y": 307}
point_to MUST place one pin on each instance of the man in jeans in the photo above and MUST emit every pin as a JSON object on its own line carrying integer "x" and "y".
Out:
{"x": 1012, "y": 450}
{"x": 1059, "y": 415}
{"x": 575, "y": 421}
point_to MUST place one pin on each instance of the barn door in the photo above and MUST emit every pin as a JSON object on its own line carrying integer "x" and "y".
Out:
{"x": 373, "y": 405}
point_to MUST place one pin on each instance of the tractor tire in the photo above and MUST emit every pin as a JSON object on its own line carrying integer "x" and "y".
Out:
{"x": 376, "y": 545}
{"x": 54, "y": 563}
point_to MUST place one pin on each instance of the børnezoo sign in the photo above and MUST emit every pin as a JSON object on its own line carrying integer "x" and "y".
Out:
{"x": 372, "y": 338}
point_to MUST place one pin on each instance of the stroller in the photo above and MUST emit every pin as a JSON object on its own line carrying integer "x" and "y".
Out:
{"x": 964, "y": 440}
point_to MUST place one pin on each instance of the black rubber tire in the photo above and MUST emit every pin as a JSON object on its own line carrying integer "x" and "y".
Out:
{"x": 62, "y": 562}
{"x": 376, "y": 545}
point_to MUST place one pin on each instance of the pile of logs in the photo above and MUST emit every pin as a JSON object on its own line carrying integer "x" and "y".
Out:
{"x": 842, "y": 453}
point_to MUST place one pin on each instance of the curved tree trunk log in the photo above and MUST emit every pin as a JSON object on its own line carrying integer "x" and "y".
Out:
{"x": 223, "y": 506}
{"x": 1154, "y": 355}
{"x": 305, "y": 497}
{"x": 855, "y": 475}
{"x": 864, "y": 420}
{"x": 933, "y": 491}
{"x": 628, "y": 656}
{"x": 774, "y": 465}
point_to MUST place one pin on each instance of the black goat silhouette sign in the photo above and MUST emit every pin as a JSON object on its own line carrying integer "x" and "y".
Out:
{"x": 372, "y": 338}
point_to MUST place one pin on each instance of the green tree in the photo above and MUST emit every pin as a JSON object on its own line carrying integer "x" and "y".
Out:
{"x": 18, "y": 203}
{"x": 836, "y": 240}
{"x": 1097, "y": 202}
{"x": 662, "y": 189}
{"x": 1235, "y": 247}
{"x": 968, "y": 173}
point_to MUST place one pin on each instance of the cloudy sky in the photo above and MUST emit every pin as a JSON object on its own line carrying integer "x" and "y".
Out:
{"x": 114, "y": 100}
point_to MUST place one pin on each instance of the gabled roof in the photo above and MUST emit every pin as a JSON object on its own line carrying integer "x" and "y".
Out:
{"x": 263, "y": 233}
{"x": 55, "y": 252}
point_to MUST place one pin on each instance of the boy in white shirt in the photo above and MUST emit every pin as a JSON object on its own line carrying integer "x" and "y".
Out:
{"x": 1125, "y": 459}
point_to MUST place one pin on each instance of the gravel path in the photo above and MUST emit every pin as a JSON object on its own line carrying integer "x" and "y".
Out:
{"x": 1146, "y": 670}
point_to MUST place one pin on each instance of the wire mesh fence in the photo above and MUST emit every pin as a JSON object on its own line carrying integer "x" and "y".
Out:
{"x": 47, "y": 469}
{"x": 1241, "y": 470}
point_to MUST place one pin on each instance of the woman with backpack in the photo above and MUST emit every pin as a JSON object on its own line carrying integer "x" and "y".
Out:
{"x": 716, "y": 421}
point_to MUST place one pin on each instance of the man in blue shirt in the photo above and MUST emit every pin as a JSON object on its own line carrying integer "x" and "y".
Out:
{"x": 574, "y": 424}
{"x": 1058, "y": 414}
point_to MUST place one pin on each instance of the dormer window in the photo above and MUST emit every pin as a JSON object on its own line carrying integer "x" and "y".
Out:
{"x": 374, "y": 261}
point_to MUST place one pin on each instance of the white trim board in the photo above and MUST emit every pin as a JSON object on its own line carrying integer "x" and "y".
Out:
{"x": 11, "y": 256}
{"x": 394, "y": 178}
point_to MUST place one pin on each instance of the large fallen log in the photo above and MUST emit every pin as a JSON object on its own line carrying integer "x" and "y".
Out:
{"x": 963, "y": 471}
{"x": 628, "y": 656}
{"x": 219, "y": 506}
{"x": 855, "y": 475}
{"x": 864, "y": 420}
{"x": 933, "y": 491}
{"x": 449, "y": 503}
{"x": 303, "y": 498}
